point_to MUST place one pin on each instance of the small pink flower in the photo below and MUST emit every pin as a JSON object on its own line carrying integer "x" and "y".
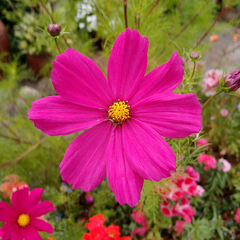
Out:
{"x": 179, "y": 226}
{"x": 125, "y": 117}
{"x": 232, "y": 80}
{"x": 237, "y": 216}
{"x": 192, "y": 173}
{"x": 226, "y": 166}
{"x": 208, "y": 160}
{"x": 224, "y": 112}
{"x": 22, "y": 219}
{"x": 223, "y": 152}
{"x": 185, "y": 210}
{"x": 211, "y": 81}
{"x": 200, "y": 190}
{"x": 201, "y": 142}
{"x": 166, "y": 208}
{"x": 140, "y": 218}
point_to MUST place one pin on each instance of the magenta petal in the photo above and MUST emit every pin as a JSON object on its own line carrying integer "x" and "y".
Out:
{"x": 127, "y": 64}
{"x": 17, "y": 234}
{"x": 164, "y": 78}
{"x": 6, "y": 231}
{"x": 124, "y": 182}
{"x": 7, "y": 214}
{"x": 30, "y": 233}
{"x": 56, "y": 116}
{"x": 171, "y": 115}
{"x": 18, "y": 200}
{"x": 34, "y": 197}
{"x": 148, "y": 153}
{"x": 84, "y": 163}
{"x": 40, "y": 209}
{"x": 78, "y": 79}
{"x": 41, "y": 225}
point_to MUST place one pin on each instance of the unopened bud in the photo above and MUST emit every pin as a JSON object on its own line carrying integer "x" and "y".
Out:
{"x": 54, "y": 29}
{"x": 194, "y": 55}
{"x": 232, "y": 80}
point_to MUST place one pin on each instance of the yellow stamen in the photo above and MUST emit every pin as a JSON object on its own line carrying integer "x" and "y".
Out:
{"x": 119, "y": 111}
{"x": 23, "y": 220}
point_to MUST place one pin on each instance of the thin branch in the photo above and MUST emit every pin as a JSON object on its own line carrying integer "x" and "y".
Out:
{"x": 151, "y": 10}
{"x": 207, "y": 32}
{"x": 7, "y": 164}
{"x": 12, "y": 131}
{"x": 13, "y": 138}
{"x": 125, "y": 13}
{"x": 57, "y": 45}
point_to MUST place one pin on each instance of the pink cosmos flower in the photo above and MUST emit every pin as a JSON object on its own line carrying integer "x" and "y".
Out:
{"x": 126, "y": 117}
{"x": 226, "y": 166}
{"x": 211, "y": 81}
{"x": 199, "y": 190}
{"x": 237, "y": 216}
{"x": 224, "y": 112}
{"x": 201, "y": 142}
{"x": 208, "y": 160}
{"x": 22, "y": 219}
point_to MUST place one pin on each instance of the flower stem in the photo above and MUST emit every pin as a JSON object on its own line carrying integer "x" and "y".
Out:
{"x": 211, "y": 99}
{"x": 57, "y": 45}
{"x": 193, "y": 71}
{"x": 125, "y": 13}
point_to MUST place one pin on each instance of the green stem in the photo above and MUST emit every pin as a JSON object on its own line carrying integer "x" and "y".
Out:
{"x": 193, "y": 71}
{"x": 57, "y": 45}
{"x": 211, "y": 99}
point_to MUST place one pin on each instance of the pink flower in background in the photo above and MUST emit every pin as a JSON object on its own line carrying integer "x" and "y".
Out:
{"x": 211, "y": 81}
{"x": 199, "y": 190}
{"x": 140, "y": 218}
{"x": 224, "y": 112}
{"x": 89, "y": 198}
{"x": 126, "y": 117}
{"x": 208, "y": 160}
{"x": 184, "y": 210}
{"x": 179, "y": 226}
{"x": 22, "y": 219}
{"x": 11, "y": 185}
{"x": 192, "y": 173}
{"x": 201, "y": 142}
{"x": 226, "y": 166}
{"x": 166, "y": 208}
{"x": 237, "y": 216}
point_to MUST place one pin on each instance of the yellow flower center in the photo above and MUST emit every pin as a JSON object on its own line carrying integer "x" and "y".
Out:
{"x": 23, "y": 220}
{"x": 119, "y": 111}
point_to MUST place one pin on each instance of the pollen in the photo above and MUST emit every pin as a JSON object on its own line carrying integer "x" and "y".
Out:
{"x": 119, "y": 111}
{"x": 23, "y": 220}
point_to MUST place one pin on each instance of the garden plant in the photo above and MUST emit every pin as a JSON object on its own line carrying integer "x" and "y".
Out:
{"x": 120, "y": 120}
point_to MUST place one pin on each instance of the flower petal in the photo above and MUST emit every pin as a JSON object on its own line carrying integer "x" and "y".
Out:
{"x": 34, "y": 197}
{"x": 124, "y": 182}
{"x": 56, "y": 116}
{"x": 7, "y": 214}
{"x": 171, "y": 115}
{"x": 18, "y": 200}
{"x": 41, "y": 225}
{"x": 6, "y": 231}
{"x": 127, "y": 64}
{"x": 17, "y": 234}
{"x": 30, "y": 233}
{"x": 78, "y": 79}
{"x": 40, "y": 209}
{"x": 164, "y": 78}
{"x": 148, "y": 153}
{"x": 84, "y": 163}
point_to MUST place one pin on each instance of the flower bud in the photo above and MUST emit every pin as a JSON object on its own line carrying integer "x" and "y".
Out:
{"x": 194, "y": 55}
{"x": 232, "y": 80}
{"x": 54, "y": 29}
